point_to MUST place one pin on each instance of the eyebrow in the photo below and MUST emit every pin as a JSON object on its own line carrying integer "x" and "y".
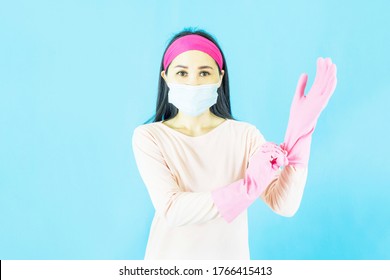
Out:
{"x": 200, "y": 67}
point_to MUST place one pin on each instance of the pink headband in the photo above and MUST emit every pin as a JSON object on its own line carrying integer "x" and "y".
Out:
{"x": 192, "y": 42}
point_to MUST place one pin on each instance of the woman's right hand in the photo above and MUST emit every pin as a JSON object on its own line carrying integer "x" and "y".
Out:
{"x": 233, "y": 199}
{"x": 263, "y": 165}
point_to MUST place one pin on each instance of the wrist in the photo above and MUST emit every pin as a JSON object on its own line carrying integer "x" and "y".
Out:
{"x": 298, "y": 153}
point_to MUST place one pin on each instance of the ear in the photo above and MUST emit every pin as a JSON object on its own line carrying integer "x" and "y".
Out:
{"x": 164, "y": 76}
{"x": 222, "y": 73}
{"x": 221, "y": 77}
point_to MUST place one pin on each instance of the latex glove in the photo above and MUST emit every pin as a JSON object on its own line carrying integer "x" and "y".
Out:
{"x": 305, "y": 111}
{"x": 233, "y": 199}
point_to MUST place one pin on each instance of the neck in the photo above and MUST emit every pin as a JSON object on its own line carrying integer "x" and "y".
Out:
{"x": 206, "y": 119}
{"x": 195, "y": 124}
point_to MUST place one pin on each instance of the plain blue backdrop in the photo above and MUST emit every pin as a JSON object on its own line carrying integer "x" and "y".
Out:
{"x": 76, "y": 78}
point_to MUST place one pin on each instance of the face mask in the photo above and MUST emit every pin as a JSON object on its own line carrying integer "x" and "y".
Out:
{"x": 192, "y": 100}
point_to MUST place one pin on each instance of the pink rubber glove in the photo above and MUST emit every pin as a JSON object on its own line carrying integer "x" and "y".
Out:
{"x": 305, "y": 111}
{"x": 233, "y": 199}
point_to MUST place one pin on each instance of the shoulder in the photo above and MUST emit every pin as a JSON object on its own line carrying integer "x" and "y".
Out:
{"x": 148, "y": 128}
{"x": 249, "y": 133}
{"x": 145, "y": 132}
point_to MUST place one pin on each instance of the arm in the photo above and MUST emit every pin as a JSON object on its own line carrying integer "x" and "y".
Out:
{"x": 305, "y": 111}
{"x": 285, "y": 193}
{"x": 176, "y": 206}
{"x": 262, "y": 168}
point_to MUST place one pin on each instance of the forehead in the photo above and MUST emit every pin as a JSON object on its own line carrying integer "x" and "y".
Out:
{"x": 194, "y": 58}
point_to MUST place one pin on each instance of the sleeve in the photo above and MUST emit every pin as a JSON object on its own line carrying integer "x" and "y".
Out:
{"x": 179, "y": 208}
{"x": 284, "y": 194}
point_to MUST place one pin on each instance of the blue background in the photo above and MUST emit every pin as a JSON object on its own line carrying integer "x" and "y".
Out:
{"x": 76, "y": 77}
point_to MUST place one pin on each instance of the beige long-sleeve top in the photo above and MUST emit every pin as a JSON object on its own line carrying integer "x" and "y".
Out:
{"x": 181, "y": 171}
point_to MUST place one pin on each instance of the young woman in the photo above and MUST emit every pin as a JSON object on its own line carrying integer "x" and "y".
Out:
{"x": 203, "y": 169}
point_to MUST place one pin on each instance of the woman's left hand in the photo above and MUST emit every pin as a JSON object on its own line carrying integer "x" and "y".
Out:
{"x": 305, "y": 109}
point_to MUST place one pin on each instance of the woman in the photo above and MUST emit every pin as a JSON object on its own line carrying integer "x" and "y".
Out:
{"x": 203, "y": 168}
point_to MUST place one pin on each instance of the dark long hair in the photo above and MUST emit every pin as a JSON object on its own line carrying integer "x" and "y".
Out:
{"x": 166, "y": 111}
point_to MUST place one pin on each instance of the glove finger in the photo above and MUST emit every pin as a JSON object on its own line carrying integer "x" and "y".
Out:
{"x": 331, "y": 73}
{"x": 328, "y": 63}
{"x": 282, "y": 160}
{"x": 279, "y": 160}
{"x": 283, "y": 147}
{"x": 318, "y": 70}
{"x": 326, "y": 74}
{"x": 318, "y": 80}
{"x": 265, "y": 150}
{"x": 331, "y": 82}
{"x": 280, "y": 155}
{"x": 321, "y": 70}
{"x": 273, "y": 150}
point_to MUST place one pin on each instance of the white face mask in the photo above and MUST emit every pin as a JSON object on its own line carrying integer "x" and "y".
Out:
{"x": 192, "y": 100}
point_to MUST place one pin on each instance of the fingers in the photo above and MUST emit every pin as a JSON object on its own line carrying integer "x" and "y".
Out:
{"x": 282, "y": 161}
{"x": 326, "y": 72}
{"x": 331, "y": 67}
{"x": 321, "y": 69}
{"x": 328, "y": 62}
{"x": 331, "y": 81}
{"x": 329, "y": 70}
{"x": 276, "y": 155}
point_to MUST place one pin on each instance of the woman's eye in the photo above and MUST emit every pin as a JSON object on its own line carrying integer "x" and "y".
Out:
{"x": 204, "y": 73}
{"x": 181, "y": 73}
